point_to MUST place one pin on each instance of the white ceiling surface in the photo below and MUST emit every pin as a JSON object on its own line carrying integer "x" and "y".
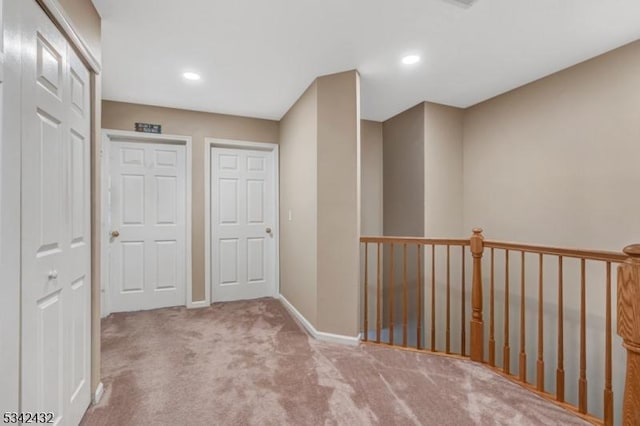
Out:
{"x": 256, "y": 57}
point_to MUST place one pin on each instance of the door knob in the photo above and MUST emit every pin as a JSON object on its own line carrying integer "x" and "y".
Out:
{"x": 268, "y": 230}
{"x": 115, "y": 234}
{"x": 53, "y": 275}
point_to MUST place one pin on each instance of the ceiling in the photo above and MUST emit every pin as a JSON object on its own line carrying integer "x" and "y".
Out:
{"x": 256, "y": 57}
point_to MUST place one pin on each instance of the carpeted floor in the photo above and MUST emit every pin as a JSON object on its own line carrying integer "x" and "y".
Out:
{"x": 249, "y": 363}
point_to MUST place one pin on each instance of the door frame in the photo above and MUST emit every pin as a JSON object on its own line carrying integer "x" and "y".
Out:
{"x": 273, "y": 148}
{"x": 110, "y": 135}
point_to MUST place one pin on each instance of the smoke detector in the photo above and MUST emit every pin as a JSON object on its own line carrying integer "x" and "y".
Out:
{"x": 462, "y": 3}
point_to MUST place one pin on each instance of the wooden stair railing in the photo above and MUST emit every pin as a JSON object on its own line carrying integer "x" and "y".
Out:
{"x": 629, "y": 330}
{"x": 398, "y": 310}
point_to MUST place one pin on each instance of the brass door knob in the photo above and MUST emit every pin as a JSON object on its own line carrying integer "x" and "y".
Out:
{"x": 115, "y": 234}
{"x": 268, "y": 230}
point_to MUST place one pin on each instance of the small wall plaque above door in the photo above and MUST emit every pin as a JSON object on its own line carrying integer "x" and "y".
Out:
{"x": 148, "y": 128}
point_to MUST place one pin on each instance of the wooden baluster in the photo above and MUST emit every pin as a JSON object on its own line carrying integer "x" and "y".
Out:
{"x": 391, "y": 291}
{"x": 378, "y": 299}
{"x": 463, "y": 325}
{"x": 582, "y": 383}
{"x": 629, "y": 330}
{"x": 448, "y": 326}
{"x": 608, "y": 392}
{"x": 492, "y": 324}
{"x": 540, "y": 365}
{"x": 476, "y": 327}
{"x": 523, "y": 354}
{"x": 506, "y": 357}
{"x": 404, "y": 295}
{"x": 560, "y": 368}
{"x": 420, "y": 283}
{"x": 433, "y": 298}
{"x": 366, "y": 291}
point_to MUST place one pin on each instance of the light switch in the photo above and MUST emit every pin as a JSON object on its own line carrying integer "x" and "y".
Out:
{"x": 290, "y": 215}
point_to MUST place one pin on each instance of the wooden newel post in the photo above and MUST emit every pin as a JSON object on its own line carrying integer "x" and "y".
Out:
{"x": 629, "y": 330}
{"x": 477, "y": 323}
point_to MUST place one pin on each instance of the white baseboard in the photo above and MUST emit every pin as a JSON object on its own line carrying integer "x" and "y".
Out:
{"x": 198, "y": 304}
{"x": 97, "y": 396}
{"x": 319, "y": 335}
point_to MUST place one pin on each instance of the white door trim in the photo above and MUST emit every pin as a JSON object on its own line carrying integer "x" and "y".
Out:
{"x": 60, "y": 17}
{"x": 109, "y": 135}
{"x": 237, "y": 144}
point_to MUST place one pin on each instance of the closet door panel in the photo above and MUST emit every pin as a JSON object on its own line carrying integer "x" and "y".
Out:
{"x": 44, "y": 273}
{"x": 78, "y": 252}
{"x": 9, "y": 202}
{"x": 56, "y": 288}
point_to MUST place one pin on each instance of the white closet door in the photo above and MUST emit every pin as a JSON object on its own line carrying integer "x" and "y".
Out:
{"x": 9, "y": 201}
{"x": 56, "y": 290}
{"x": 78, "y": 203}
{"x": 148, "y": 220}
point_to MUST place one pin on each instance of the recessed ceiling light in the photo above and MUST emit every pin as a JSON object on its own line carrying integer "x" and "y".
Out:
{"x": 411, "y": 59}
{"x": 191, "y": 76}
{"x": 462, "y": 3}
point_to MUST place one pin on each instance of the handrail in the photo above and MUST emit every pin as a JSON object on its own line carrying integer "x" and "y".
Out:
{"x": 605, "y": 256}
{"x": 601, "y": 255}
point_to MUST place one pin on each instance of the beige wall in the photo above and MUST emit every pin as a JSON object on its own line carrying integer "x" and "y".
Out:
{"x": 319, "y": 185}
{"x": 371, "y": 215}
{"x": 403, "y": 215}
{"x": 298, "y": 195}
{"x": 372, "y": 179}
{"x": 560, "y": 155}
{"x": 403, "y": 152}
{"x": 556, "y": 162}
{"x": 338, "y": 202}
{"x": 198, "y": 125}
{"x": 86, "y": 21}
{"x": 443, "y": 171}
{"x": 443, "y": 146}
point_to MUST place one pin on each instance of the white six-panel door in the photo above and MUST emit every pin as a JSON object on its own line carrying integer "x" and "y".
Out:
{"x": 56, "y": 288}
{"x": 242, "y": 224}
{"x": 148, "y": 222}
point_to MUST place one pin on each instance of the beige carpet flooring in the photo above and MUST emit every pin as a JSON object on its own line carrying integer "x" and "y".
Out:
{"x": 249, "y": 363}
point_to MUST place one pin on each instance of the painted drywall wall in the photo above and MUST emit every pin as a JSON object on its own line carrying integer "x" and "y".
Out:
{"x": 86, "y": 21}
{"x": 371, "y": 214}
{"x": 338, "y": 202}
{"x": 562, "y": 150}
{"x": 198, "y": 125}
{"x": 423, "y": 196}
{"x": 403, "y": 151}
{"x": 443, "y": 171}
{"x": 443, "y": 147}
{"x": 372, "y": 179}
{"x": 555, "y": 162}
{"x": 320, "y": 204}
{"x": 299, "y": 204}
{"x": 403, "y": 213}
